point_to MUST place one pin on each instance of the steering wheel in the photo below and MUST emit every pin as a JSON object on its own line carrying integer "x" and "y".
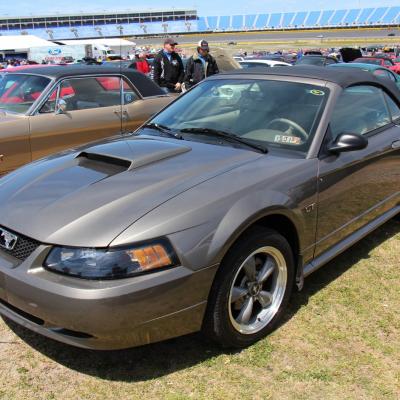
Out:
{"x": 292, "y": 124}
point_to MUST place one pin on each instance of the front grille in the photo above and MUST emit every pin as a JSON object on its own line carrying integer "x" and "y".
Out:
{"x": 24, "y": 247}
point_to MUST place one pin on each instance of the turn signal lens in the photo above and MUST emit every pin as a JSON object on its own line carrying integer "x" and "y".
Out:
{"x": 150, "y": 257}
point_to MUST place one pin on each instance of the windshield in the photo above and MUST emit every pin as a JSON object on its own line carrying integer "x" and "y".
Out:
{"x": 375, "y": 61}
{"x": 267, "y": 112}
{"x": 18, "y": 91}
{"x": 245, "y": 64}
{"x": 319, "y": 61}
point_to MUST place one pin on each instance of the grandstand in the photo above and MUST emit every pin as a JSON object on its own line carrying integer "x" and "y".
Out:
{"x": 67, "y": 26}
{"x": 58, "y": 27}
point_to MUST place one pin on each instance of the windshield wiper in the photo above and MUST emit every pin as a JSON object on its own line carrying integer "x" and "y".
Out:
{"x": 226, "y": 135}
{"x": 163, "y": 129}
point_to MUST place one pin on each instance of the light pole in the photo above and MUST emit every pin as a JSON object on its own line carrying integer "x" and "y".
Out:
{"x": 50, "y": 33}
{"x": 98, "y": 30}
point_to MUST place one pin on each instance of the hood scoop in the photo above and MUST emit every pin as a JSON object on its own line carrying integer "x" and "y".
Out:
{"x": 130, "y": 154}
{"x": 103, "y": 163}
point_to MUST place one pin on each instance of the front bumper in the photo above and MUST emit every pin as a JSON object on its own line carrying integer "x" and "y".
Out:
{"x": 103, "y": 315}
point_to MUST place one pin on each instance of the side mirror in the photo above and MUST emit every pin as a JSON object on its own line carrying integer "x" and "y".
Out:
{"x": 61, "y": 107}
{"x": 348, "y": 142}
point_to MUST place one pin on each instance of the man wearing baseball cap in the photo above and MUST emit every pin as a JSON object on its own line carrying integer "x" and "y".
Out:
{"x": 200, "y": 65}
{"x": 168, "y": 67}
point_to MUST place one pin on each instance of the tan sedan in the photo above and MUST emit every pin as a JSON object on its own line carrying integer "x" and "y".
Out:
{"x": 49, "y": 109}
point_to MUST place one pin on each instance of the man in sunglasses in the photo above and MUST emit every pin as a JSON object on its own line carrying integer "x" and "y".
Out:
{"x": 168, "y": 67}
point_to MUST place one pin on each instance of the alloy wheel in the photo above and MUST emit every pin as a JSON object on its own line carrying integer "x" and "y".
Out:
{"x": 257, "y": 290}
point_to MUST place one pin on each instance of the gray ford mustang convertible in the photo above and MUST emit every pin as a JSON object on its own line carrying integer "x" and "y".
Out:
{"x": 206, "y": 217}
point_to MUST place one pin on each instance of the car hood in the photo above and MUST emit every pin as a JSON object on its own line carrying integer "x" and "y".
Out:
{"x": 88, "y": 197}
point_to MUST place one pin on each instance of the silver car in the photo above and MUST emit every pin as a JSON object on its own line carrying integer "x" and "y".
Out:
{"x": 207, "y": 216}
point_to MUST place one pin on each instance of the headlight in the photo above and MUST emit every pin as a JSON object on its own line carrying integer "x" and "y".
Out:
{"x": 91, "y": 263}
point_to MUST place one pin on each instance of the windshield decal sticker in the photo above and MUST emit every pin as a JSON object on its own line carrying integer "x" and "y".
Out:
{"x": 287, "y": 139}
{"x": 316, "y": 92}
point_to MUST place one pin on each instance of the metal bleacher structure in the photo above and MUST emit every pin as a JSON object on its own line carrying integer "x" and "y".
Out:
{"x": 58, "y": 27}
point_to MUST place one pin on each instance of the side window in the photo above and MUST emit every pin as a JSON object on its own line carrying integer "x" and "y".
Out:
{"x": 50, "y": 105}
{"x": 393, "y": 108}
{"x": 66, "y": 92}
{"x": 360, "y": 109}
{"x": 388, "y": 63}
{"x": 130, "y": 94}
{"x": 91, "y": 92}
{"x": 381, "y": 73}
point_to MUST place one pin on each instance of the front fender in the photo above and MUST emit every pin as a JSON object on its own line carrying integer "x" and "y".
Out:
{"x": 203, "y": 222}
{"x": 246, "y": 211}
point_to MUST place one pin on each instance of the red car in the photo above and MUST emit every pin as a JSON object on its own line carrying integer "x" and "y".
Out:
{"x": 396, "y": 67}
{"x": 13, "y": 93}
{"x": 382, "y": 61}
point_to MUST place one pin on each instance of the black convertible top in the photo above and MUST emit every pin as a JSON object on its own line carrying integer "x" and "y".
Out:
{"x": 144, "y": 84}
{"x": 343, "y": 77}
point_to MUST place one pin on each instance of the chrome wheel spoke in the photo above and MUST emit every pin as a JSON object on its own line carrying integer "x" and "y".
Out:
{"x": 266, "y": 271}
{"x": 265, "y": 299}
{"x": 238, "y": 293}
{"x": 250, "y": 269}
{"x": 246, "y": 311}
{"x": 257, "y": 290}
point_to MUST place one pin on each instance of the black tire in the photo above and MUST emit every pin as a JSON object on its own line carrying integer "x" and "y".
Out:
{"x": 218, "y": 323}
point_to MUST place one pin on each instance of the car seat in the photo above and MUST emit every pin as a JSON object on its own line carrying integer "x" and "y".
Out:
{"x": 254, "y": 107}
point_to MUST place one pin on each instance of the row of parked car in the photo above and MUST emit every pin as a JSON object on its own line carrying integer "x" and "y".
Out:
{"x": 206, "y": 217}
{"x": 45, "y": 109}
{"x": 381, "y": 66}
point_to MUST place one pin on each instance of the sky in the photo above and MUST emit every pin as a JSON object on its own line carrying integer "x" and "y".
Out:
{"x": 204, "y": 7}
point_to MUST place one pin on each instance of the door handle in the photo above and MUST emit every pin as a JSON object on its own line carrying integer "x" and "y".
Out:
{"x": 396, "y": 144}
{"x": 125, "y": 115}
{"x": 1, "y": 157}
{"x": 117, "y": 112}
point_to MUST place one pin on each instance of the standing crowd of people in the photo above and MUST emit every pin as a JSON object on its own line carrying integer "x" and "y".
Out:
{"x": 170, "y": 73}
{"x": 11, "y": 63}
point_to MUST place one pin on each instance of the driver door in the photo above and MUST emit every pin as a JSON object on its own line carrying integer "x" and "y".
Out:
{"x": 15, "y": 149}
{"x": 78, "y": 111}
{"x": 358, "y": 186}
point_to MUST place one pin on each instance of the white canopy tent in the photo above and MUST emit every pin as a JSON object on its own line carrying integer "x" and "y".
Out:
{"x": 112, "y": 42}
{"x": 120, "y": 46}
{"x": 22, "y": 42}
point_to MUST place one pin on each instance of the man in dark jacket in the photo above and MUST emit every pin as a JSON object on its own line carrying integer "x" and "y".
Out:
{"x": 200, "y": 65}
{"x": 168, "y": 67}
